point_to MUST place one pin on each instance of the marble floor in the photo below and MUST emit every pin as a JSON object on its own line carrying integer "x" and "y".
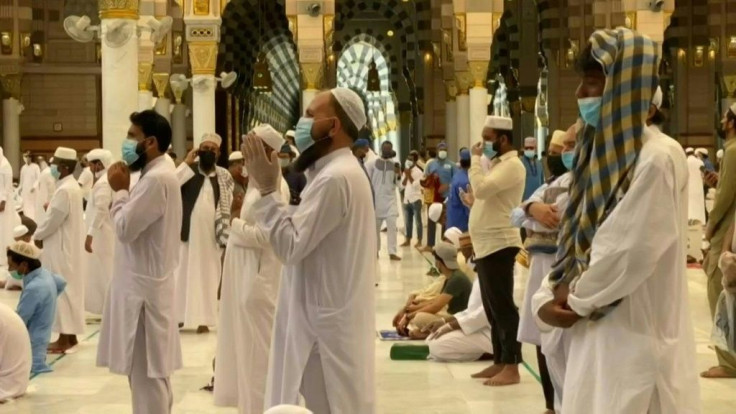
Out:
{"x": 78, "y": 387}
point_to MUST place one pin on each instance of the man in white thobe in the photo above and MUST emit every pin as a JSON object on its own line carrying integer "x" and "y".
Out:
{"x": 99, "y": 245}
{"x": 250, "y": 286}
{"x": 29, "y": 174}
{"x": 7, "y": 209}
{"x": 206, "y": 194}
{"x": 621, "y": 277}
{"x": 61, "y": 235}
{"x": 385, "y": 174}
{"x": 43, "y": 190}
{"x": 15, "y": 358}
{"x": 324, "y": 342}
{"x": 139, "y": 337}
{"x": 86, "y": 178}
{"x": 696, "y": 206}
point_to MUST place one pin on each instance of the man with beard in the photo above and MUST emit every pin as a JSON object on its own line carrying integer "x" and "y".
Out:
{"x": 323, "y": 341}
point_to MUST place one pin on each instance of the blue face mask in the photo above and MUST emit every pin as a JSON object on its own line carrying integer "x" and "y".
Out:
{"x": 567, "y": 159}
{"x": 488, "y": 150}
{"x": 15, "y": 275}
{"x": 530, "y": 153}
{"x": 590, "y": 110}
{"x": 129, "y": 151}
{"x": 54, "y": 169}
{"x": 303, "y": 134}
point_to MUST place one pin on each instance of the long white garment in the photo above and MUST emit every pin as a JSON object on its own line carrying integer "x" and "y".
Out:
{"x": 383, "y": 178}
{"x": 198, "y": 273}
{"x": 639, "y": 358}
{"x": 147, "y": 223}
{"x": 62, "y": 233}
{"x": 29, "y": 174}
{"x": 250, "y": 285}
{"x": 696, "y": 196}
{"x": 324, "y": 339}
{"x": 100, "y": 261}
{"x": 15, "y": 358}
{"x": 44, "y": 189}
{"x": 7, "y": 216}
{"x": 86, "y": 180}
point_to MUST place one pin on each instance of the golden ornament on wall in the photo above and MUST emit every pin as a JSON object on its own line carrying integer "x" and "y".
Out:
{"x": 118, "y": 9}
{"x": 201, "y": 7}
{"x": 462, "y": 39}
{"x": 203, "y": 57}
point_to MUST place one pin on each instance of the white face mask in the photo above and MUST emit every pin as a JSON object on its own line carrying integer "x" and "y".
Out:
{"x": 99, "y": 174}
{"x": 244, "y": 172}
{"x": 442, "y": 154}
{"x": 408, "y": 164}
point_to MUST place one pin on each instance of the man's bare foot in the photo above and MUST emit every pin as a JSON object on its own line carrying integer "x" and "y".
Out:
{"x": 417, "y": 334}
{"x": 489, "y": 372}
{"x": 203, "y": 329}
{"x": 394, "y": 258}
{"x": 406, "y": 243}
{"x": 717, "y": 372}
{"x": 419, "y": 244}
{"x": 508, "y": 376}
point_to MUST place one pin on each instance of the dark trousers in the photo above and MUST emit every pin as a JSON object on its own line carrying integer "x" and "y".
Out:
{"x": 547, "y": 387}
{"x": 496, "y": 278}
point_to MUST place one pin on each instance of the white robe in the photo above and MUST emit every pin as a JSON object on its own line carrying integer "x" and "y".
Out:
{"x": 44, "y": 189}
{"x": 7, "y": 217}
{"x": 147, "y": 223}
{"x": 15, "y": 358}
{"x": 250, "y": 284}
{"x": 639, "y": 358}
{"x": 29, "y": 174}
{"x": 696, "y": 196}
{"x": 200, "y": 266}
{"x": 324, "y": 340}
{"x": 100, "y": 261}
{"x": 86, "y": 180}
{"x": 62, "y": 233}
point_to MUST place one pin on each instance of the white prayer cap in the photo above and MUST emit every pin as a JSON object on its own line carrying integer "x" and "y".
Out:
{"x": 719, "y": 154}
{"x": 290, "y": 133}
{"x": 657, "y": 98}
{"x": 499, "y": 123}
{"x": 235, "y": 156}
{"x": 435, "y": 211}
{"x": 270, "y": 136}
{"x": 212, "y": 137}
{"x": 102, "y": 155}
{"x": 689, "y": 150}
{"x": 65, "y": 154}
{"x": 287, "y": 409}
{"x": 558, "y": 138}
{"x": 453, "y": 235}
{"x": 530, "y": 141}
{"x": 19, "y": 231}
{"x": 733, "y": 108}
{"x": 352, "y": 104}
{"x": 701, "y": 151}
{"x": 25, "y": 249}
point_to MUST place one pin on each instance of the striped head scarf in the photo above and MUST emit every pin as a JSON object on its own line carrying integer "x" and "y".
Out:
{"x": 606, "y": 153}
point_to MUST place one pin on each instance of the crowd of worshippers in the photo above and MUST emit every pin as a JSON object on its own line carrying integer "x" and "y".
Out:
{"x": 272, "y": 251}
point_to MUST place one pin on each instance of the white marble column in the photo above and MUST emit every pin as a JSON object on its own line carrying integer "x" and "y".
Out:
{"x": 163, "y": 108}
{"x": 451, "y": 127}
{"x": 203, "y": 106}
{"x": 307, "y": 98}
{"x": 478, "y": 111}
{"x": 145, "y": 100}
{"x": 119, "y": 87}
{"x": 463, "y": 121}
{"x": 179, "y": 130}
{"x": 11, "y": 133}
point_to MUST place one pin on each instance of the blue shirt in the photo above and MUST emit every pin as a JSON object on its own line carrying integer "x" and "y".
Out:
{"x": 457, "y": 213}
{"x": 37, "y": 308}
{"x": 445, "y": 169}
{"x": 534, "y": 176}
{"x": 708, "y": 165}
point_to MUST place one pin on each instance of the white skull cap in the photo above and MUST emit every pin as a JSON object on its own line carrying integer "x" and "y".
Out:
{"x": 235, "y": 156}
{"x": 657, "y": 98}
{"x": 352, "y": 104}
{"x": 435, "y": 212}
{"x": 25, "y": 249}
{"x": 499, "y": 123}
{"x": 65, "y": 153}
{"x": 270, "y": 136}
{"x": 19, "y": 231}
{"x": 102, "y": 155}
{"x": 212, "y": 137}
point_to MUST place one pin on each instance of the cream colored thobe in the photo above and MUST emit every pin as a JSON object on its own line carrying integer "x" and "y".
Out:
{"x": 86, "y": 180}
{"x": 62, "y": 233}
{"x": 324, "y": 334}
{"x": 29, "y": 174}
{"x": 7, "y": 216}
{"x": 44, "y": 189}
{"x": 15, "y": 355}
{"x": 696, "y": 207}
{"x": 250, "y": 284}
{"x": 100, "y": 261}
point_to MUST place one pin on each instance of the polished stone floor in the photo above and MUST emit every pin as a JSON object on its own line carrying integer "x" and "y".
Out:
{"x": 78, "y": 387}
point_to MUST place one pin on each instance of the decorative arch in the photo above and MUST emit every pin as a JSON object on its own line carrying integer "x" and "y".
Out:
{"x": 360, "y": 47}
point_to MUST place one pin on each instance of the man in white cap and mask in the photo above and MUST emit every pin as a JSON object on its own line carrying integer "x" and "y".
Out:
{"x": 29, "y": 174}
{"x": 43, "y": 189}
{"x": 250, "y": 286}
{"x": 385, "y": 174}
{"x": 289, "y": 137}
{"x": 240, "y": 176}
{"x": 100, "y": 242}
{"x": 496, "y": 243}
{"x": 7, "y": 210}
{"x": 702, "y": 153}
{"x": 324, "y": 340}
{"x": 61, "y": 234}
{"x": 206, "y": 195}
{"x": 533, "y": 166}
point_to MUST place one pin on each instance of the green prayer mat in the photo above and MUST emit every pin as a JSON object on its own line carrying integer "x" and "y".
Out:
{"x": 409, "y": 352}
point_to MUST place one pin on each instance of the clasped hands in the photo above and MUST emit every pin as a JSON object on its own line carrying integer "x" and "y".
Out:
{"x": 556, "y": 312}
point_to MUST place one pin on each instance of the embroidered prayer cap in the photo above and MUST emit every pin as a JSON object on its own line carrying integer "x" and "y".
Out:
{"x": 453, "y": 235}
{"x": 19, "y": 231}
{"x": 102, "y": 155}
{"x": 65, "y": 153}
{"x": 530, "y": 142}
{"x": 352, "y": 104}
{"x": 500, "y": 123}
{"x": 448, "y": 253}
{"x": 702, "y": 151}
{"x": 270, "y": 136}
{"x": 235, "y": 156}
{"x": 212, "y": 137}
{"x": 558, "y": 138}
{"x": 25, "y": 249}
{"x": 362, "y": 143}
{"x": 689, "y": 150}
{"x": 287, "y": 409}
{"x": 435, "y": 211}
{"x": 657, "y": 98}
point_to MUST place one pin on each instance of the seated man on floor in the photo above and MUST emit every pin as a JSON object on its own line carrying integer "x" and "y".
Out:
{"x": 465, "y": 336}
{"x": 452, "y": 299}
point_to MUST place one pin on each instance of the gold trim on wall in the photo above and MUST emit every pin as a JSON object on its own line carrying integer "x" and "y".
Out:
{"x": 118, "y": 9}
{"x": 462, "y": 31}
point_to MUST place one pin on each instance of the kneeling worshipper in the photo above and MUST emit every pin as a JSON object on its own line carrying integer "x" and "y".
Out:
{"x": 620, "y": 284}
{"x": 250, "y": 284}
{"x": 466, "y": 335}
{"x": 15, "y": 358}
{"x": 37, "y": 304}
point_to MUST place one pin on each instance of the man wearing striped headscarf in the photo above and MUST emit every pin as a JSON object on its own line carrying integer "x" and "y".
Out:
{"x": 620, "y": 286}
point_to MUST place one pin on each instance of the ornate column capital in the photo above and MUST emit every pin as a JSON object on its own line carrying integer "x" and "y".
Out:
{"x": 479, "y": 72}
{"x": 450, "y": 90}
{"x": 312, "y": 75}
{"x": 11, "y": 85}
{"x": 118, "y": 9}
{"x": 161, "y": 82}
{"x": 464, "y": 82}
{"x": 145, "y": 72}
{"x": 203, "y": 57}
